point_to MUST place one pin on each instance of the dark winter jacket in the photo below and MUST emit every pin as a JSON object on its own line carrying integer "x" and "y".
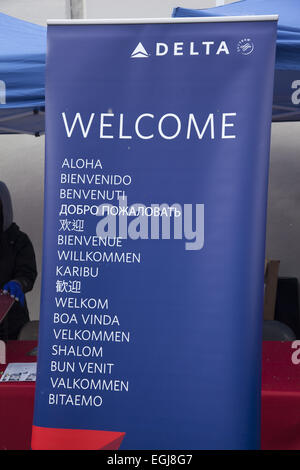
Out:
{"x": 17, "y": 262}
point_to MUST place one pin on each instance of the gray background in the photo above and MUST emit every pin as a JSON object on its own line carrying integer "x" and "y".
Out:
{"x": 22, "y": 156}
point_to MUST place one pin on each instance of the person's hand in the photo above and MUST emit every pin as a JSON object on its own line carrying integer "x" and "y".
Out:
{"x": 15, "y": 290}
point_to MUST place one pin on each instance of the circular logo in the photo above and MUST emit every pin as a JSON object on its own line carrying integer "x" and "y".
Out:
{"x": 245, "y": 46}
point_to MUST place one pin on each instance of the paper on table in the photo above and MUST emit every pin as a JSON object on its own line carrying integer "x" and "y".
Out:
{"x": 19, "y": 372}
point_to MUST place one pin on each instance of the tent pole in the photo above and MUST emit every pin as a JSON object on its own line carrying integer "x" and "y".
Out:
{"x": 290, "y": 112}
{"x": 75, "y": 9}
{"x": 15, "y": 116}
{"x": 9, "y": 130}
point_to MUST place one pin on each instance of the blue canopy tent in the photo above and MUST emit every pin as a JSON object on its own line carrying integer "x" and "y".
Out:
{"x": 286, "y": 102}
{"x": 22, "y": 76}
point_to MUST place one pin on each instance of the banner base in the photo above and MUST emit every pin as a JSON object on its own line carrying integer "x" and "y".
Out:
{"x": 74, "y": 439}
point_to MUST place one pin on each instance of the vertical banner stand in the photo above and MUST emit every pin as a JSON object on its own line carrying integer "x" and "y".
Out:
{"x": 157, "y": 155}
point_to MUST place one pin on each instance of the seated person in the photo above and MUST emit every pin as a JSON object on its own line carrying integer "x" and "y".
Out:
{"x": 17, "y": 267}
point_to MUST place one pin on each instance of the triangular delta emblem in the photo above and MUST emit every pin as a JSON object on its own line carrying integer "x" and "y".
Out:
{"x": 139, "y": 52}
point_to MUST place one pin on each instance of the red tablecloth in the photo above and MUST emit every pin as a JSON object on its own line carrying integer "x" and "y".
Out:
{"x": 16, "y": 401}
{"x": 280, "y": 399}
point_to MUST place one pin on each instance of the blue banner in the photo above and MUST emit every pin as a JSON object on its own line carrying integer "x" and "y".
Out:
{"x": 286, "y": 100}
{"x": 157, "y": 153}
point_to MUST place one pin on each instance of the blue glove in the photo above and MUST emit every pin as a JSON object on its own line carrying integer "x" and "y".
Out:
{"x": 15, "y": 290}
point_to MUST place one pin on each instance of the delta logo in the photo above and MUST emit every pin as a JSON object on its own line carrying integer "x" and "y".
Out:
{"x": 139, "y": 52}
{"x": 180, "y": 48}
